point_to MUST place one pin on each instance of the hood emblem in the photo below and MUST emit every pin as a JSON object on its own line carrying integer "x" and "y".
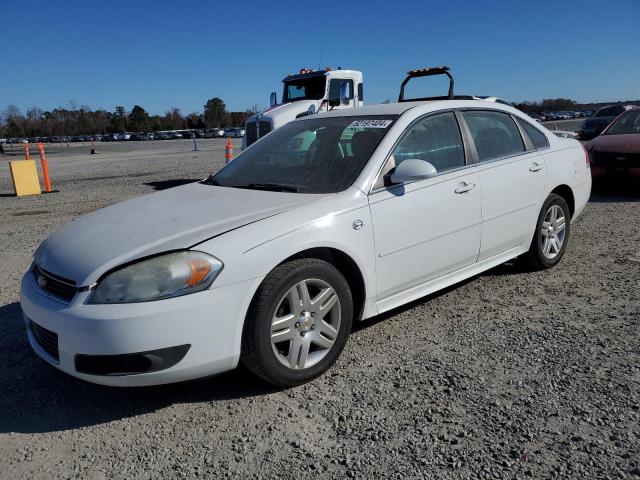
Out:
{"x": 42, "y": 281}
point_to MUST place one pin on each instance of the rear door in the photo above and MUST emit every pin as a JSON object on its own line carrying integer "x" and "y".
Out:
{"x": 512, "y": 175}
{"x": 425, "y": 229}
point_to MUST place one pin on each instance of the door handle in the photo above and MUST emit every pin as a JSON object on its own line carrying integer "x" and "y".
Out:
{"x": 535, "y": 166}
{"x": 464, "y": 187}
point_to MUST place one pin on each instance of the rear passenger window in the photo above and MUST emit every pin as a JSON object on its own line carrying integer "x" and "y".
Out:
{"x": 538, "y": 138}
{"x": 436, "y": 140}
{"x": 494, "y": 134}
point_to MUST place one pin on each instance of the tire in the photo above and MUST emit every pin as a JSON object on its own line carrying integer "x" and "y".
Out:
{"x": 541, "y": 255}
{"x": 289, "y": 345}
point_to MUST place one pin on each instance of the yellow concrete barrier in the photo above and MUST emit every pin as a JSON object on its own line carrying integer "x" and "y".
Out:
{"x": 25, "y": 177}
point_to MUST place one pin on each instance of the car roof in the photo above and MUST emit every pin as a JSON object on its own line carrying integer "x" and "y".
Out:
{"x": 402, "y": 107}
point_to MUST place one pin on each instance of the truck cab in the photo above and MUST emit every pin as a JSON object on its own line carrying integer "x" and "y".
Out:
{"x": 306, "y": 93}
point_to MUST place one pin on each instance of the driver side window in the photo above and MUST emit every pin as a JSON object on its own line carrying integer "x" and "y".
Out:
{"x": 435, "y": 139}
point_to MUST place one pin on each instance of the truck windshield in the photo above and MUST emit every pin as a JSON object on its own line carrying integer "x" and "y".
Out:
{"x": 311, "y": 88}
{"x": 319, "y": 155}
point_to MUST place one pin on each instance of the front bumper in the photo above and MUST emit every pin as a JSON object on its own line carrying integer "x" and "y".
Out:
{"x": 210, "y": 322}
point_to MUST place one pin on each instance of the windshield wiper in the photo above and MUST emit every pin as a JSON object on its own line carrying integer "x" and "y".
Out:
{"x": 273, "y": 187}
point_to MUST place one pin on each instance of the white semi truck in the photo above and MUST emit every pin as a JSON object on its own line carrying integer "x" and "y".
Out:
{"x": 306, "y": 93}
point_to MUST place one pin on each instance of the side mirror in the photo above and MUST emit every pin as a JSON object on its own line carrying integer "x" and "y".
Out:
{"x": 273, "y": 99}
{"x": 411, "y": 170}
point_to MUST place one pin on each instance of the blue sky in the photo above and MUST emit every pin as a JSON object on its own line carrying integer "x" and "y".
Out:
{"x": 160, "y": 54}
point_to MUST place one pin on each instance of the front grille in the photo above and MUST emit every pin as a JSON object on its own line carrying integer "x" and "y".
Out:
{"x": 47, "y": 339}
{"x": 265, "y": 127}
{"x": 251, "y": 130}
{"x": 251, "y": 133}
{"x": 57, "y": 286}
{"x": 615, "y": 160}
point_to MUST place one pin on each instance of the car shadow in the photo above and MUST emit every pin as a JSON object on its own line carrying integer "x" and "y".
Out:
{"x": 37, "y": 398}
{"x": 164, "y": 184}
{"x": 615, "y": 190}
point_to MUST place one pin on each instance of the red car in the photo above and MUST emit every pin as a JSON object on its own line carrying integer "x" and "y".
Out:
{"x": 616, "y": 152}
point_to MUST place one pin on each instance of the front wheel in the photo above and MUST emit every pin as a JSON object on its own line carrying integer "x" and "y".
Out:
{"x": 552, "y": 234}
{"x": 298, "y": 323}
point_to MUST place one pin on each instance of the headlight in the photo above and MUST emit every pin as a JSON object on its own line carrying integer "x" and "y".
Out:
{"x": 165, "y": 276}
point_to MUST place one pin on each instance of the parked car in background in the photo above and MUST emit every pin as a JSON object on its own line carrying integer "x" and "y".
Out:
{"x": 616, "y": 152}
{"x": 188, "y": 134}
{"x": 327, "y": 220}
{"x": 234, "y": 132}
{"x": 113, "y": 137}
{"x": 596, "y": 123}
{"x": 210, "y": 133}
{"x": 162, "y": 136}
{"x": 536, "y": 117}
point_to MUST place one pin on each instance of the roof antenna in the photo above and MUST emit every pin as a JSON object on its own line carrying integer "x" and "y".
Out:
{"x": 320, "y": 59}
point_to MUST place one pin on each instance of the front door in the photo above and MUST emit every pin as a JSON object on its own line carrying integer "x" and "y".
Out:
{"x": 426, "y": 229}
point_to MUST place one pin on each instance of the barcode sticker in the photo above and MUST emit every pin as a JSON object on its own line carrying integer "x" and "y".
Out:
{"x": 370, "y": 124}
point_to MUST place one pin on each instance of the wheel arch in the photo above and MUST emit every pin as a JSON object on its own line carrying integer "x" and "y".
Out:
{"x": 566, "y": 192}
{"x": 346, "y": 265}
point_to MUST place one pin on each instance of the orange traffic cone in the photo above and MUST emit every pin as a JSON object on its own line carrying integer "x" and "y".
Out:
{"x": 228, "y": 151}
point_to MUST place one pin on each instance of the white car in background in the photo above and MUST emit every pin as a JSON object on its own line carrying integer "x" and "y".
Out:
{"x": 328, "y": 220}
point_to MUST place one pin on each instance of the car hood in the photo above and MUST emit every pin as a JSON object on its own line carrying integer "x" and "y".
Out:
{"x": 173, "y": 219}
{"x": 628, "y": 143}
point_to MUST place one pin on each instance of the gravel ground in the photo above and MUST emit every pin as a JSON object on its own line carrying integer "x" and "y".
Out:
{"x": 508, "y": 375}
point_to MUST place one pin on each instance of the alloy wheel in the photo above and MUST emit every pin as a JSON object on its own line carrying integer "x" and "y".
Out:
{"x": 553, "y": 231}
{"x": 305, "y": 324}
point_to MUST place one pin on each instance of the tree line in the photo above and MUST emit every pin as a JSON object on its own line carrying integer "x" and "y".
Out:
{"x": 565, "y": 105}
{"x": 81, "y": 120}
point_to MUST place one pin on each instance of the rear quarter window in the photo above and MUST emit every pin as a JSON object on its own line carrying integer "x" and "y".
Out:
{"x": 538, "y": 139}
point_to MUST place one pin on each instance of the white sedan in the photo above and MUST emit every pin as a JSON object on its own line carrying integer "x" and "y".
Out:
{"x": 328, "y": 220}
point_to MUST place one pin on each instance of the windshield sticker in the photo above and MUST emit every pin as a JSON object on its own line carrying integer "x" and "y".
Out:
{"x": 370, "y": 124}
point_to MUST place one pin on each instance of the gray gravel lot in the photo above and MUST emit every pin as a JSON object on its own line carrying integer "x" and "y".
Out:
{"x": 508, "y": 375}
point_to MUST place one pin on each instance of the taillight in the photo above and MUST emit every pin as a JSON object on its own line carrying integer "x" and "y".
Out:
{"x": 586, "y": 157}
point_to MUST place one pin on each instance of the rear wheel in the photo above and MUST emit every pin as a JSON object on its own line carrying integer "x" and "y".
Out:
{"x": 298, "y": 323}
{"x": 552, "y": 234}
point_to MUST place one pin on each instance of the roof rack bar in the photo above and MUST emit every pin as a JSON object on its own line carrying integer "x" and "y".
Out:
{"x": 426, "y": 72}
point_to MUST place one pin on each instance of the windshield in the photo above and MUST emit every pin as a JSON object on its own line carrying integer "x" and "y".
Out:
{"x": 319, "y": 155}
{"x": 627, "y": 123}
{"x": 311, "y": 88}
{"x": 609, "y": 112}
